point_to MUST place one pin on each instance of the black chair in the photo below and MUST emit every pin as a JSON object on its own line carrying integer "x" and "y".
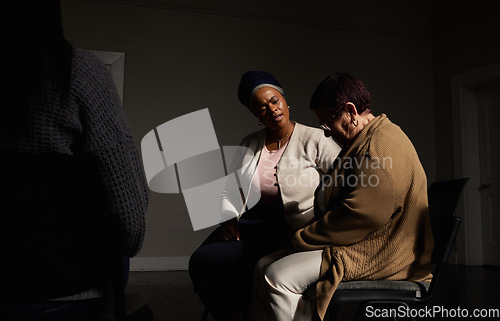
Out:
{"x": 58, "y": 241}
{"x": 443, "y": 198}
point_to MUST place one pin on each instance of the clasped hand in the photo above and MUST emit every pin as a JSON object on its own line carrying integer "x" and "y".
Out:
{"x": 230, "y": 230}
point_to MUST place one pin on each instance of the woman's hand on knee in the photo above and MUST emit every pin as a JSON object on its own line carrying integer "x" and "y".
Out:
{"x": 230, "y": 231}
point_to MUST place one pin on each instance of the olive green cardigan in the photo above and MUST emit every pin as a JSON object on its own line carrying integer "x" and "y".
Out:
{"x": 376, "y": 224}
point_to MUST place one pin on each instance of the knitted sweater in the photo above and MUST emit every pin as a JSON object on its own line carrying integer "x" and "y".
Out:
{"x": 90, "y": 122}
{"x": 376, "y": 224}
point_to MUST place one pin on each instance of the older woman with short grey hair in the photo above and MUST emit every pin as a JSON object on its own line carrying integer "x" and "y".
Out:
{"x": 375, "y": 219}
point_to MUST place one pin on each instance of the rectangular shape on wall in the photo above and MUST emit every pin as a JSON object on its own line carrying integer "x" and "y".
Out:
{"x": 115, "y": 61}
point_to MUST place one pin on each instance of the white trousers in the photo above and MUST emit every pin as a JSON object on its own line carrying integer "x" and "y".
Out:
{"x": 279, "y": 282}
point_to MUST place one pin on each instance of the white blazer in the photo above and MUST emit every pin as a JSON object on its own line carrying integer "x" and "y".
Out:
{"x": 308, "y": 155}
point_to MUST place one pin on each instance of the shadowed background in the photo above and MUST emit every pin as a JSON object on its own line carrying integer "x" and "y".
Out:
{"x": 182, "y": 57}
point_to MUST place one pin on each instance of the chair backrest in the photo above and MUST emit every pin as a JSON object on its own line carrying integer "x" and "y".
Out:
{"x": 52, "y": 228}
{"x": 443, "y": 199}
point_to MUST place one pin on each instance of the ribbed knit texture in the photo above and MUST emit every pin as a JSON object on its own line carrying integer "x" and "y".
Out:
{"x": 377, "y": 231}
{"x": 90, "y": 122}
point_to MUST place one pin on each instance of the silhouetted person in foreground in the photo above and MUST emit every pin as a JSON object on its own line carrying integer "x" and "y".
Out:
{"x": 59, "y": 99}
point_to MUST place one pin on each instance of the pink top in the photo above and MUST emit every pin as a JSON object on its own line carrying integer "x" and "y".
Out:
{"x": 266, "y": 169}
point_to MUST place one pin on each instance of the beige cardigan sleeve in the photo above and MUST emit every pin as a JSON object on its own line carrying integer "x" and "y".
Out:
{"x": 355, "y": 212}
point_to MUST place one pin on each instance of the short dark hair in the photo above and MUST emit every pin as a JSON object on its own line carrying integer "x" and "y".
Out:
{"x": 337, "y": 89}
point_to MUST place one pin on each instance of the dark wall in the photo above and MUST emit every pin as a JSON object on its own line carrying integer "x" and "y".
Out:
{"x": 182, "y": 57}
{"x": 465, "y": 37}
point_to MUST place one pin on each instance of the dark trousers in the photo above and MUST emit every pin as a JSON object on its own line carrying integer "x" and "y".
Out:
{"x": 222, "y": 272}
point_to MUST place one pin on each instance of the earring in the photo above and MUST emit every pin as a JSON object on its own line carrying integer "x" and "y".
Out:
{"x": 355, "y": 123}
{"x": 288, "y": 107}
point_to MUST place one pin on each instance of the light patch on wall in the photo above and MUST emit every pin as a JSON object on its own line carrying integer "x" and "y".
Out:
{"x": 115, "y": 61}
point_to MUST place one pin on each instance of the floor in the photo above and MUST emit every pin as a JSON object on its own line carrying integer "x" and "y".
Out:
{"x": 171, "y": 297}
{"x": 169, "y": 294}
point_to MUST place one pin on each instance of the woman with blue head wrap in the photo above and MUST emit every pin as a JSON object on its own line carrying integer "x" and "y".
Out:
{"x": 285, "y": 167}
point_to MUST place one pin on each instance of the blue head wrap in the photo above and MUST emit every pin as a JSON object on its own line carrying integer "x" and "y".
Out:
{"x": 251, "y": 81}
